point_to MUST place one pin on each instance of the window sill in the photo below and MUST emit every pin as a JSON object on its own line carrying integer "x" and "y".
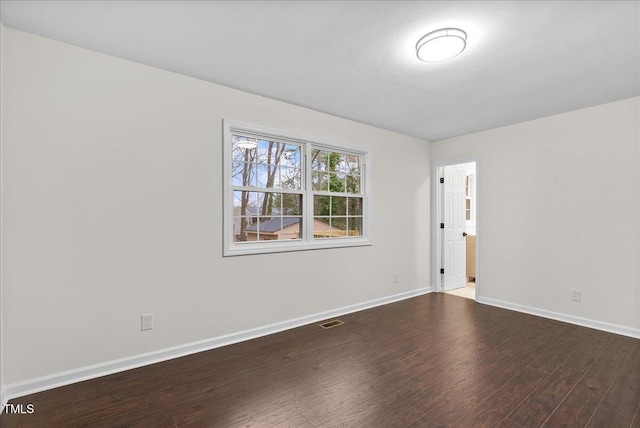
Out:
{"x": 285, "y": 247}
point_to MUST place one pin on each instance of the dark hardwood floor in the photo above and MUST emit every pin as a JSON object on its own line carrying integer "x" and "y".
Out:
{"x": 434, "y": 360}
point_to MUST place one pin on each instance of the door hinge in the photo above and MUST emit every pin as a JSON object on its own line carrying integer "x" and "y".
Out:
{"x": 441, "y": 180}
{"x": 441, "y": 225}
{"x": 442, "y": 271}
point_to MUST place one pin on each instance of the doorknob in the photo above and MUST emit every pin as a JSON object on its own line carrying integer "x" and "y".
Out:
{"x": 464, "y": 234}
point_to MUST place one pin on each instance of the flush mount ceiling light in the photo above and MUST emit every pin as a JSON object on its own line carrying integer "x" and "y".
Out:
{"x": 441, "y": 45}
{"x": 247, "y": 144}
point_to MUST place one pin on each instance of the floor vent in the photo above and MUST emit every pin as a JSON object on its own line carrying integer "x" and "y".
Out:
{"x": 331, "y": 324}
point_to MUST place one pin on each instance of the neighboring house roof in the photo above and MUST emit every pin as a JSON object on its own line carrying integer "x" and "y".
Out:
{"x": 273, "y": 225}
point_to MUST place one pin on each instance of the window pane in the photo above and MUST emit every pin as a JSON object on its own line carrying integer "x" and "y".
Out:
{"x": 289, "y": 178}
{"x": 353, "y": 165}
{"x": 261, "y": 176}
{"x": 321, "y": 227}
{"x": 336, "y": 182}
{"x": 332, "y": 160}
{"x": 353, "y": 184}
{"x": 321, "y": 205}
{"x": 341, "y": 162}
{"x": 237, "y": 202}
{"x": 320, "y": 181}
{"x": 237, "y": 173}
{"x": 277, "y": 180}
{"x": 292, "y": 228}
{"x": 238, "y": 228}
{"x": 355, "y": 226}
{"x": 254, "y": 200}
{"x": 338, "y": 226}
{"x": 276, "y": 153}
{"x": 244, "y": 229}
{"x": 341, "y": 179}
{"x": 274, "y": 204}
{"x": 338, "y": 206}
{"x": 243, "y": 148}
{"x": 243, "y": 174}
{"x": 269, "y": 203}
{"x": 355, "y": 206}
{"x": 318, "y": 160}
{"x": 266, "y": 151}
{"x": 291, "y": 156}
{"x": 291, "y": 204}
{"x": 267, "y": 228}
{"x": 246, "y": 203}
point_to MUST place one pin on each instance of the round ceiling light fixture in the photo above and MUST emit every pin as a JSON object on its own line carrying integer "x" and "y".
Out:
{"x": 441, "y": 45}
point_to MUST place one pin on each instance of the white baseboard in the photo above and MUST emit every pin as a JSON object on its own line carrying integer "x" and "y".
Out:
{"x": 585, "y": 322}
{"x": 32, "y": 386}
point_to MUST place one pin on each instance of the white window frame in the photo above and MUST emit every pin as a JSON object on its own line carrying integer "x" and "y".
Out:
{"x": 307, "y": 242}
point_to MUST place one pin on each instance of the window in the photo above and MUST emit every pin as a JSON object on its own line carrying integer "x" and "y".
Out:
{"x": 267, "y": 189}
{"x": 284, "y": 193}
{"x": 337, "y": 194}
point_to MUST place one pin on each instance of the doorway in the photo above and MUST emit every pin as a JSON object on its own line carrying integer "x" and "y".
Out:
{"x": 456, "y": 227}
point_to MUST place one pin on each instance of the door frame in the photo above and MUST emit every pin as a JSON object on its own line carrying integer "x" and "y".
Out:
{"x": 437, "y": 208}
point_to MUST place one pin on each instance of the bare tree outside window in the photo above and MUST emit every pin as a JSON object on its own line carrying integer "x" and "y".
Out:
{"x": 260, "y": 168}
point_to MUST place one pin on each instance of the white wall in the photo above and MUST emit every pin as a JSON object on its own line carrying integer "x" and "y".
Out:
{"x": 2, "y": 45}
{"x": 112, "y": 209}
{"x": 559, "y": 210}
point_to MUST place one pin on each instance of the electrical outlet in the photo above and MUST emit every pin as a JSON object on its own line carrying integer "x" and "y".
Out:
{"x": 146, "y": 322}
{"x": 396, "y": 277}
{"x": 576, "y": 295}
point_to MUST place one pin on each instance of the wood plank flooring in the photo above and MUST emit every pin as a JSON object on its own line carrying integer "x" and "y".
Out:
{"x": 434, "y": 360}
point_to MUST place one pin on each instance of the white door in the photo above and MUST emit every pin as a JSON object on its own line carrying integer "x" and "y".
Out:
{"x": 455, "y": 243}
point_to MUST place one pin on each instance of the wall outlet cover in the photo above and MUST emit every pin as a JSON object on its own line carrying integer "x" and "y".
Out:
{"x": 146, "y": 322}
{"x": 576, "y": 295}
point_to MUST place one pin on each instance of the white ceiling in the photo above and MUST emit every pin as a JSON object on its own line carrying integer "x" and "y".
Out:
{"x": 356, "y": 59}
